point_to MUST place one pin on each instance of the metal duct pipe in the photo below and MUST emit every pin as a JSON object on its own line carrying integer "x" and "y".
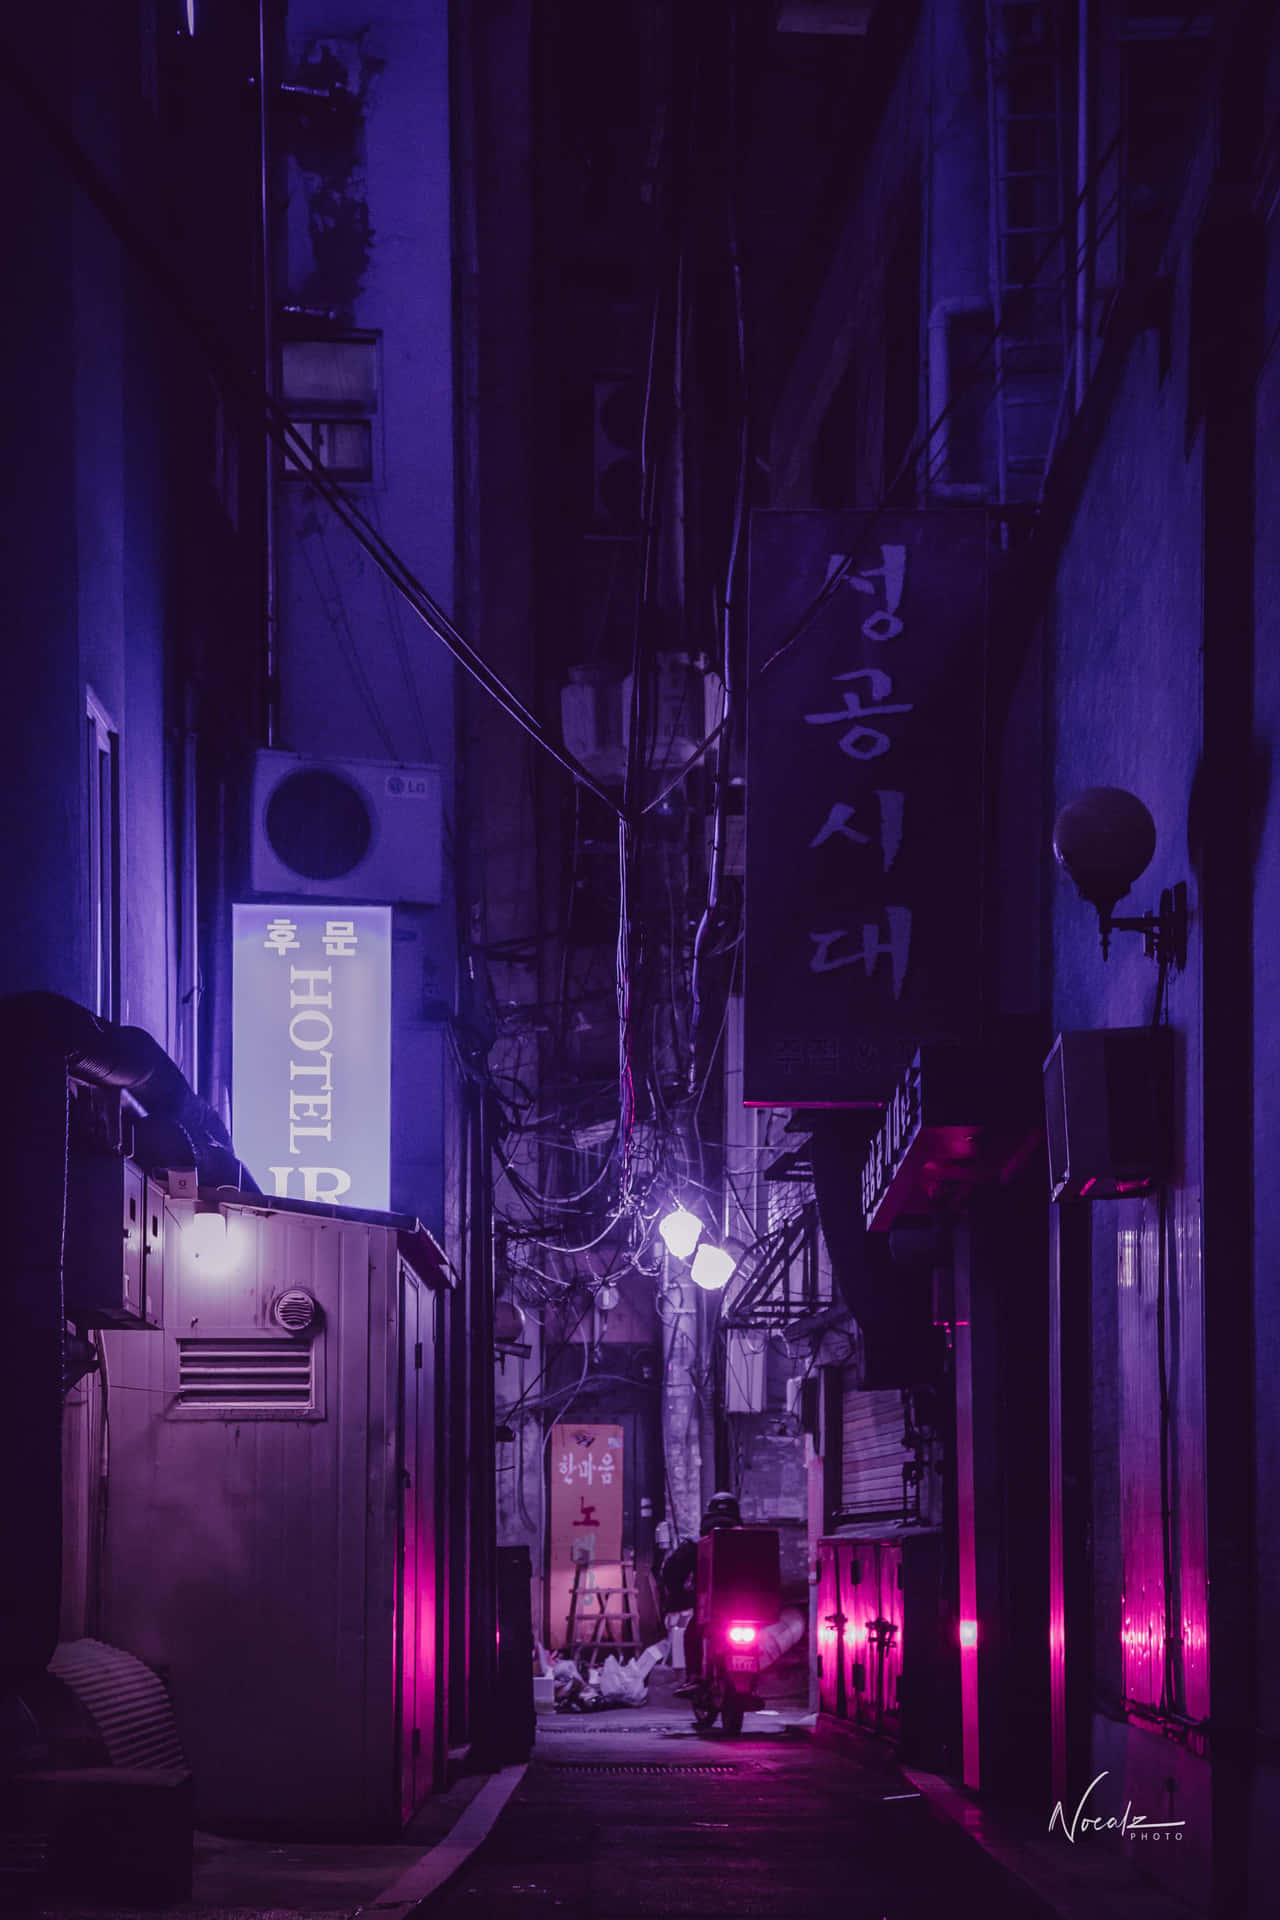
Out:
{"x": 128, "y": 1057}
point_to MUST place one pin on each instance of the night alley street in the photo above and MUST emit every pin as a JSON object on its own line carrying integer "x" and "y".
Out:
{"x": 639, "y": 743}
{"x": 621, "y": 1815}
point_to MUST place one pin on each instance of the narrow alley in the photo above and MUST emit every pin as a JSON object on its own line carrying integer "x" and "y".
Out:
{"x": 643, "y": 887}
{"x": 621, "y": 1816}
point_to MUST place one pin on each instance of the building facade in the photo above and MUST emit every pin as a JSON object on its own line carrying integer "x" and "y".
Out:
{"x": 236, "y": 250}
{"x": 1057, "y": 258}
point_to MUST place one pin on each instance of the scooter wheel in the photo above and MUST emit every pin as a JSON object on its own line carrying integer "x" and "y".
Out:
{"x": 704, "y": 1718}
{"x": 731, "y": 1714}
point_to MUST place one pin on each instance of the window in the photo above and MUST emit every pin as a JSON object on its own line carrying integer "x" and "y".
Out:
{"x": 102, "y": 791}
{"x": 330, "y": 388}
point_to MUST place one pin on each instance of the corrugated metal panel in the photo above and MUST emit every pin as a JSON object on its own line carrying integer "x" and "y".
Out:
{"x": 125, "y": 1700}
{"x": 1188, "y": 1307}
{"x": 1057, "y": 1569}
{"x": 237, "y": 1533}
{"x": 1143, "y": 1534}
{"x": 1142, "y": 1626}
{"x": 872, "y": 1453}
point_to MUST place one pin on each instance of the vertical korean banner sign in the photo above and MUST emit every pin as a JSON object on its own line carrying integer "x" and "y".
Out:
{"x": 864, "y": 798}
{"x": 585, "y": 1519}
{"x": 311, "y": 1051}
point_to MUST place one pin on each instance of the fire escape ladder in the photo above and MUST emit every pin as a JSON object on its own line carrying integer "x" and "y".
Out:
{"x": 1028, "y": 268}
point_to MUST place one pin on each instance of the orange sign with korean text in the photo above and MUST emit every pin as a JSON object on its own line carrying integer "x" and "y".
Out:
{"x": 585, "y": 1514}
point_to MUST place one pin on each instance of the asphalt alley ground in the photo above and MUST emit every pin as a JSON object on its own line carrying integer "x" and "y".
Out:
{"x": 618, "y": 1817}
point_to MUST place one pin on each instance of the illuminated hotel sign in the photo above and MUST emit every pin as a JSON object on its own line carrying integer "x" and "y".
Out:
{"x": 311, "y": 1051}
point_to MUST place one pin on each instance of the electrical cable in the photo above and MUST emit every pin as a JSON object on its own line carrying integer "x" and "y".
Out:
{"x": 262, "y": 407}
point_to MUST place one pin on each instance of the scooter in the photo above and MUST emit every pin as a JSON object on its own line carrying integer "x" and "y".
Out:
{"x": 730, "y": 1663}
{"x": 737, "y": 1599}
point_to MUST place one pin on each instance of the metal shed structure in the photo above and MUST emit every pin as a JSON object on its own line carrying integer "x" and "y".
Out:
{"x": 277, "y": 1539}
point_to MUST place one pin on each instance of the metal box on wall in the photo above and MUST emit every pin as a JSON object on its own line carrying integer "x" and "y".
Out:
{"x": 1107, "y": 1096}
{"x": 114, "y": 1243}
{"x": 278, "y": 1527}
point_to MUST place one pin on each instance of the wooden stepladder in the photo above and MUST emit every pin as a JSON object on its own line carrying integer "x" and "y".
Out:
{"x": 603, "y": 1620}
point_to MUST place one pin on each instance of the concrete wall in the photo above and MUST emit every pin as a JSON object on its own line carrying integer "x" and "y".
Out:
{"x": 84, "y": 568}
{"x": 366, "y": 236}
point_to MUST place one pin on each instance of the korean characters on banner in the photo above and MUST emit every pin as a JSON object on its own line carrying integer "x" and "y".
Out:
{"x": 311, "y": 1051}
{"x": 586, "y": 1515}
{"x": 865, "y": 776}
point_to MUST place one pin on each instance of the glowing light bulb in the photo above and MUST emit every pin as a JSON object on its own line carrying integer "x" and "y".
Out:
{"x": 681, "y": 1232}
{"x": 208, "y": 1232}
{"x": 712, "y": 1268}
{"x": 214, "y": 1244}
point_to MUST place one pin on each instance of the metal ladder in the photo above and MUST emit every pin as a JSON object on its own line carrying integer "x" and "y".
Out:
{"x": 1028, "y": 264}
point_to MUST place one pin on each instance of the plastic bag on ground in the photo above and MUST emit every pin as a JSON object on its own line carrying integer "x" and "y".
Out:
{"x": 645, "y": 1662}
{"x": 621, "y": 1685}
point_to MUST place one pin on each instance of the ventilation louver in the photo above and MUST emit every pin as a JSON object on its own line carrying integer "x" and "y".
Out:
{"x": 295, "y": 1310}
{"x": 246, "y": 1376}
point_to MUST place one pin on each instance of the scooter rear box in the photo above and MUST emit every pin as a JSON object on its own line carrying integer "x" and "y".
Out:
{"x": 739, "y": 1576}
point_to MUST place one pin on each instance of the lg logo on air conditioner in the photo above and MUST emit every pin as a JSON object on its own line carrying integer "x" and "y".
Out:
{"x": 403, "y": 786}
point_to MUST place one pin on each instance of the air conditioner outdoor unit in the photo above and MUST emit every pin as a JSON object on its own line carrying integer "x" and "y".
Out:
{"x": 1107, "y": 1098}
{"x": 346, "y": 829}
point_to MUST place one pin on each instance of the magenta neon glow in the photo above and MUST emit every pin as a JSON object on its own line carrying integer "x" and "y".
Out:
{"x": 742, "y": 1636}
{"x": 968, "y": 1633}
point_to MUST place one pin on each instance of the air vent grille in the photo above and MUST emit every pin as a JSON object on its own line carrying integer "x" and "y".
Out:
{"x": 246, "y": 1376}
{"x": 294, "y": 1311}
{"x": 639, "y": 1766}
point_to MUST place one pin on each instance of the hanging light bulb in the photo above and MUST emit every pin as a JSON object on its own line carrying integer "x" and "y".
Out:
{"x": 712, "y": 1267}
{"x": 681, "y": 1232}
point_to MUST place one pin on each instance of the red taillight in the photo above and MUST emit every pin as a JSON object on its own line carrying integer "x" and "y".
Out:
{"x": 742, "y": 1636}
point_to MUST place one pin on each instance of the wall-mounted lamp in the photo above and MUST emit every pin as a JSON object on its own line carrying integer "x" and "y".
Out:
{"x": 1105, "y": 839}
{"x": 208, "y": 1230}
{"x": 214, "y": 1243}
